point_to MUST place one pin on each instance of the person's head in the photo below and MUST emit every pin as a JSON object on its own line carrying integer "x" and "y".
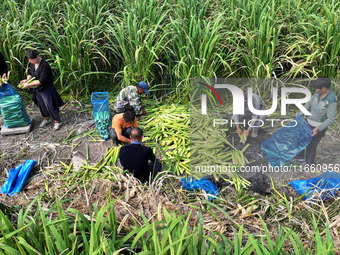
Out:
{"x": 129, "y": 116}
{"x": 136, "y": 134}
{"x": 142, "y": 88}
{"x": 128, "y": 108}
{"x": 322, "y": 84}
{"x": 33, "y": 56}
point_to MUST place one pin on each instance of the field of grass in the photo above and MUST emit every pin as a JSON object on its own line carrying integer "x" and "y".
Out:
{"x": 106, "y": 212}
{"x": 104, "y": 45}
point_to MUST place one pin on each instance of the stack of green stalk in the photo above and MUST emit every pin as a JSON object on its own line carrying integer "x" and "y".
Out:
{"x": 243, "y": 138}
{"x": 210, "y": 146}
{"x": 168, "y": 126}
{"x": 102, "y": 120}
{"x": 238, "y": 157}
{"x": 110, "y": 158}
{"x": 104, "y": 169}
{"x": 13, "y": 112}
{"x": 210, "y": 150}
{"x": 184, "y": 145}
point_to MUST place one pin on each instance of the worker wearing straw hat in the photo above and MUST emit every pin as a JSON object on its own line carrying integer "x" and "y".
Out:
{"x": 130, "y": 97}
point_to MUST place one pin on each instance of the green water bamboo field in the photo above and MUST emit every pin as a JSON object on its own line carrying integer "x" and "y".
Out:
{"x": 105, "y": 44}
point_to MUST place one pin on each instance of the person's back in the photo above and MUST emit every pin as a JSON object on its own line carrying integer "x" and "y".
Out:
{"x": 135, "y": 157}
{"x": 129, "y": 97}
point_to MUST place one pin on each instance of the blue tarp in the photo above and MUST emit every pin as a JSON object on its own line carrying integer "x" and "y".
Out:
{"x": 205, "y": 184}
{"x": 17, "y": 178}
{"x": 324, "y": 186}
{"x": 287, "y": 142}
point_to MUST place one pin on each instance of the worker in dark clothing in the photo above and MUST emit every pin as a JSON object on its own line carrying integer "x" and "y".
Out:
{"x": 135, "y": 157}
{"x": 3, "y": 67}
{"x": 45, "y": 96}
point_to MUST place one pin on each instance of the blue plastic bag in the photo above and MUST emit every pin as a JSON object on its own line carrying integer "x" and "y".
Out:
{"x": 287, "y": 142}
{"x": 325, "y": 186}
{"x": 206, "y": 185}
{"x": 101, "y": 113}
{"x": 17, "y": 178}
{"x": 7, "y": 90}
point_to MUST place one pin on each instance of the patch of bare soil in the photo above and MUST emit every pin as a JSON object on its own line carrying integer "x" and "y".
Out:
{"x": 48, "y": 147}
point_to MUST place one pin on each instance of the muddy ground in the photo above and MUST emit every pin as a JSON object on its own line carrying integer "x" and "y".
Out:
{"x": 48, "y": 147}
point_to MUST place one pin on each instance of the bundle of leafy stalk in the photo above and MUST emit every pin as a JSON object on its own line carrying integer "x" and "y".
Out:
{"x": 29, "y": 82}
{"x": 102, "y": 120}
{"x": 3, "y": 81}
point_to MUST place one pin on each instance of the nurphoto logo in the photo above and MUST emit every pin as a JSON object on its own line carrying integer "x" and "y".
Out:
{"x": 256, "y": 125}
{"x": 239, "y": 99}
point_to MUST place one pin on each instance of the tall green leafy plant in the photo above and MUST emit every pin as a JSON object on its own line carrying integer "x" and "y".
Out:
{"x": 137, "y": 38}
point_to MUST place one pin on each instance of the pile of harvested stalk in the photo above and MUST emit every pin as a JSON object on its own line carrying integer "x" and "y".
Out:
{"x": 167, "y": 127}
{"x": 211, "y": 145}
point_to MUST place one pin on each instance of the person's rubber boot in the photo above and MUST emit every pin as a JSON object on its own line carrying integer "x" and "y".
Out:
{"x": 254, "y": 133}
